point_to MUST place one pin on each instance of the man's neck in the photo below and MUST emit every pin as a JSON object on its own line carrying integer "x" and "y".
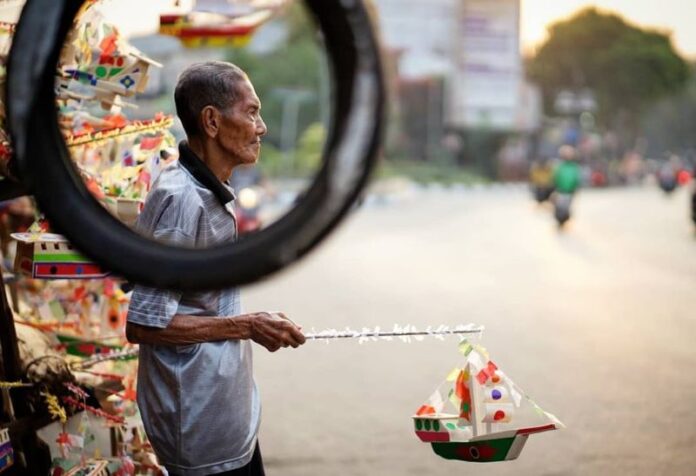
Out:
{"x": 213, "y": 157}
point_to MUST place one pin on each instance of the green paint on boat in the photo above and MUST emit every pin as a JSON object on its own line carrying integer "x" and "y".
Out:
{"x": 462, "y": 451}
{"x": 60, "y": 258}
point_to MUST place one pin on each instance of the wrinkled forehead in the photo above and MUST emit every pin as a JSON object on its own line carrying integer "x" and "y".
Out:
{"x": 246, "y": 95}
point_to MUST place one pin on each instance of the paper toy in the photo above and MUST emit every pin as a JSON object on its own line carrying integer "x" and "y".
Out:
{"x": 98, "y": 64}
{"x": 478, "y": 414}
{"x": 6, "y": 33}
{"x": 51, "y": 256}
{"x": 125, "y": 209}
{"x": 6, "y": 451}
{"x": 236, "y": 9}
{"x": 198, "y": 29}
{"x": 67, "y": 467}
{"x": 120, "y": 157}
{"x": 74, "y": 345}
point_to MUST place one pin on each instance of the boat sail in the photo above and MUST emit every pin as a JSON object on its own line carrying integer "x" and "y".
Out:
{"x": 478, "y": 414}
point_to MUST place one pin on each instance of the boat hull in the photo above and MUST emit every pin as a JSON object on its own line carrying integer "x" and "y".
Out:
{"x": 482, "y": 451}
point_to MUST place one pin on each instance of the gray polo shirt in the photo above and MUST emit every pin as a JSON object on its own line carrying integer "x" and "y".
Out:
{"x": 199, "y": 403}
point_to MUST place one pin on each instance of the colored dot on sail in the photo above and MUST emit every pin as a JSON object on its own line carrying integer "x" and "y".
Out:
{"x": 499, "y": 415}
{"x": 496, "y": 394}
{"x": 451, "y": 426}
{"x": 495, "y": 378}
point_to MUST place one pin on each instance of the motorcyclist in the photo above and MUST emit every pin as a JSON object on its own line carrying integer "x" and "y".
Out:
{"x": 667, "y": 174}
{"x": 567, "y": 175}
{"x": 567, "y": 178}
{"x": 541, "y": 179}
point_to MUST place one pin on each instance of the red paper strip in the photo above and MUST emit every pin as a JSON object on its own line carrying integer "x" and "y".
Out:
{"x": 95, "y": 411}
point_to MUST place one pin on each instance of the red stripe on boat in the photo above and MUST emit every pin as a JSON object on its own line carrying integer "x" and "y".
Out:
{"x": 170, "y": 19}
{"x": 430, "y": 436}
{"x": 536, "y": 429}
{"x": 194, "y": 32}
{"x": 71, "y": 269}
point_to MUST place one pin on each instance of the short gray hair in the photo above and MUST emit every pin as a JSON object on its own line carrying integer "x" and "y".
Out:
{"x": 211, "y": 83}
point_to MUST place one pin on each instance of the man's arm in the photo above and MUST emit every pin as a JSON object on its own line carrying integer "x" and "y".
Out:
{"x": 272, "y": 331}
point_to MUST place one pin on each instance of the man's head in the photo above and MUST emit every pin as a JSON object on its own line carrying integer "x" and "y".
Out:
{"x": 217, "y": 105}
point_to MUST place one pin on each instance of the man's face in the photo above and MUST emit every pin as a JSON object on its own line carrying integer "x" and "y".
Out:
{"x": 241, "y": 127}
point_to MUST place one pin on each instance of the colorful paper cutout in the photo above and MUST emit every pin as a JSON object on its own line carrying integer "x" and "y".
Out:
{"x": 484, "y": 417}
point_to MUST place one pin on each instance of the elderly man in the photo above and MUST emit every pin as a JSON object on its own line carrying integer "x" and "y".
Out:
{"x": 196, "y": 392}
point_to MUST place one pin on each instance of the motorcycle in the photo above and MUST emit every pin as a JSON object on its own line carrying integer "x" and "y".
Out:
{"x": 561, "y": 211}
{"x": 247, "y": 208}
{"x": 667, "y": 179}
{"x": 667, "y": 184}
{"x": 542, "y": 193}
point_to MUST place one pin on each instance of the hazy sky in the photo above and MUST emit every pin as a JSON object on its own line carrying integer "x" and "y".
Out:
{"x": 678, "y": 16}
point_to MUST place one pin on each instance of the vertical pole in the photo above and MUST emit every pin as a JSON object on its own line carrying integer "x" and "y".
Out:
{"x": 476, "y": 407}
{"x": 8, "y": 339}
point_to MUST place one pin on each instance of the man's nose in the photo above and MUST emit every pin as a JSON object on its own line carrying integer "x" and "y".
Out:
{"x": 261, "y": 128}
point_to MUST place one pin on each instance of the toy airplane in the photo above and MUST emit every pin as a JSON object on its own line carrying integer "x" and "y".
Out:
{"x": 478, "y": 414}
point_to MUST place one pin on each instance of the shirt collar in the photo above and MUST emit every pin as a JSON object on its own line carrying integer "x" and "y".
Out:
{"x": 200, "y": 171}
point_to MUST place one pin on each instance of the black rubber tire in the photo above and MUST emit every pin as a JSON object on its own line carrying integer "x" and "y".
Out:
{"x": 349, "y": 155}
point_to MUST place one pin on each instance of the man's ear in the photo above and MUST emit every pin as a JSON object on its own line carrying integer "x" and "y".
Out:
{"x": 210, "y": 121}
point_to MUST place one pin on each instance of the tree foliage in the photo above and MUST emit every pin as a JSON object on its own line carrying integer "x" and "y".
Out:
{"x": 626, "y": 67}
{"x": 296, "y": 65}
{"x": 669, "y": 124}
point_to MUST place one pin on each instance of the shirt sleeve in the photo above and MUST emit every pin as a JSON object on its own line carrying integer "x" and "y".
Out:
{"x": 153, "y": 307}
{"x": 165, "y": 220}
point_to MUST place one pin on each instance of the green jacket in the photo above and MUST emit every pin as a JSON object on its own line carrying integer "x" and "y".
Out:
{"x": 567, "y": 177}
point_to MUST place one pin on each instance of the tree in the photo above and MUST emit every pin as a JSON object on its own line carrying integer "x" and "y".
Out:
{"x": 669, "y": 124}
{"x": 626, "y": 67}
{"x": 296, "y": 66}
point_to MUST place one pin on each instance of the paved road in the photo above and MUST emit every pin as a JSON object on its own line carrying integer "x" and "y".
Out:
{"x": 597, "y": 324}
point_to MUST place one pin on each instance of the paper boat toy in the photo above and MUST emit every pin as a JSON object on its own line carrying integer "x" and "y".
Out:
{"x": 478, "y": 414}
{"x": 215, "y": 27}
{"x": 51, "y": 256}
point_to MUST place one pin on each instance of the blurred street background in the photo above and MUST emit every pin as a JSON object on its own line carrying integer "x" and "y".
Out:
{"x": 596, "y": 324}
{"x": 489, "y": 99}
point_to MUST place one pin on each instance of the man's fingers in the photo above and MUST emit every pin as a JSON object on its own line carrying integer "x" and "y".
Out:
{"x": 282, "y": 315}
{"x": 297, "y": 336}
{"x": 293, "y": 335}
{"x": 277, "y": 330}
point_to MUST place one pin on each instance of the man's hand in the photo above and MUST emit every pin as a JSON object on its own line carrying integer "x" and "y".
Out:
{"x": 274, "y": 330}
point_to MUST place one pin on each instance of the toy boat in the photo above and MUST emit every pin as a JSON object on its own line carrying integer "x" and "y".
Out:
{"x": 478, "y": 414}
